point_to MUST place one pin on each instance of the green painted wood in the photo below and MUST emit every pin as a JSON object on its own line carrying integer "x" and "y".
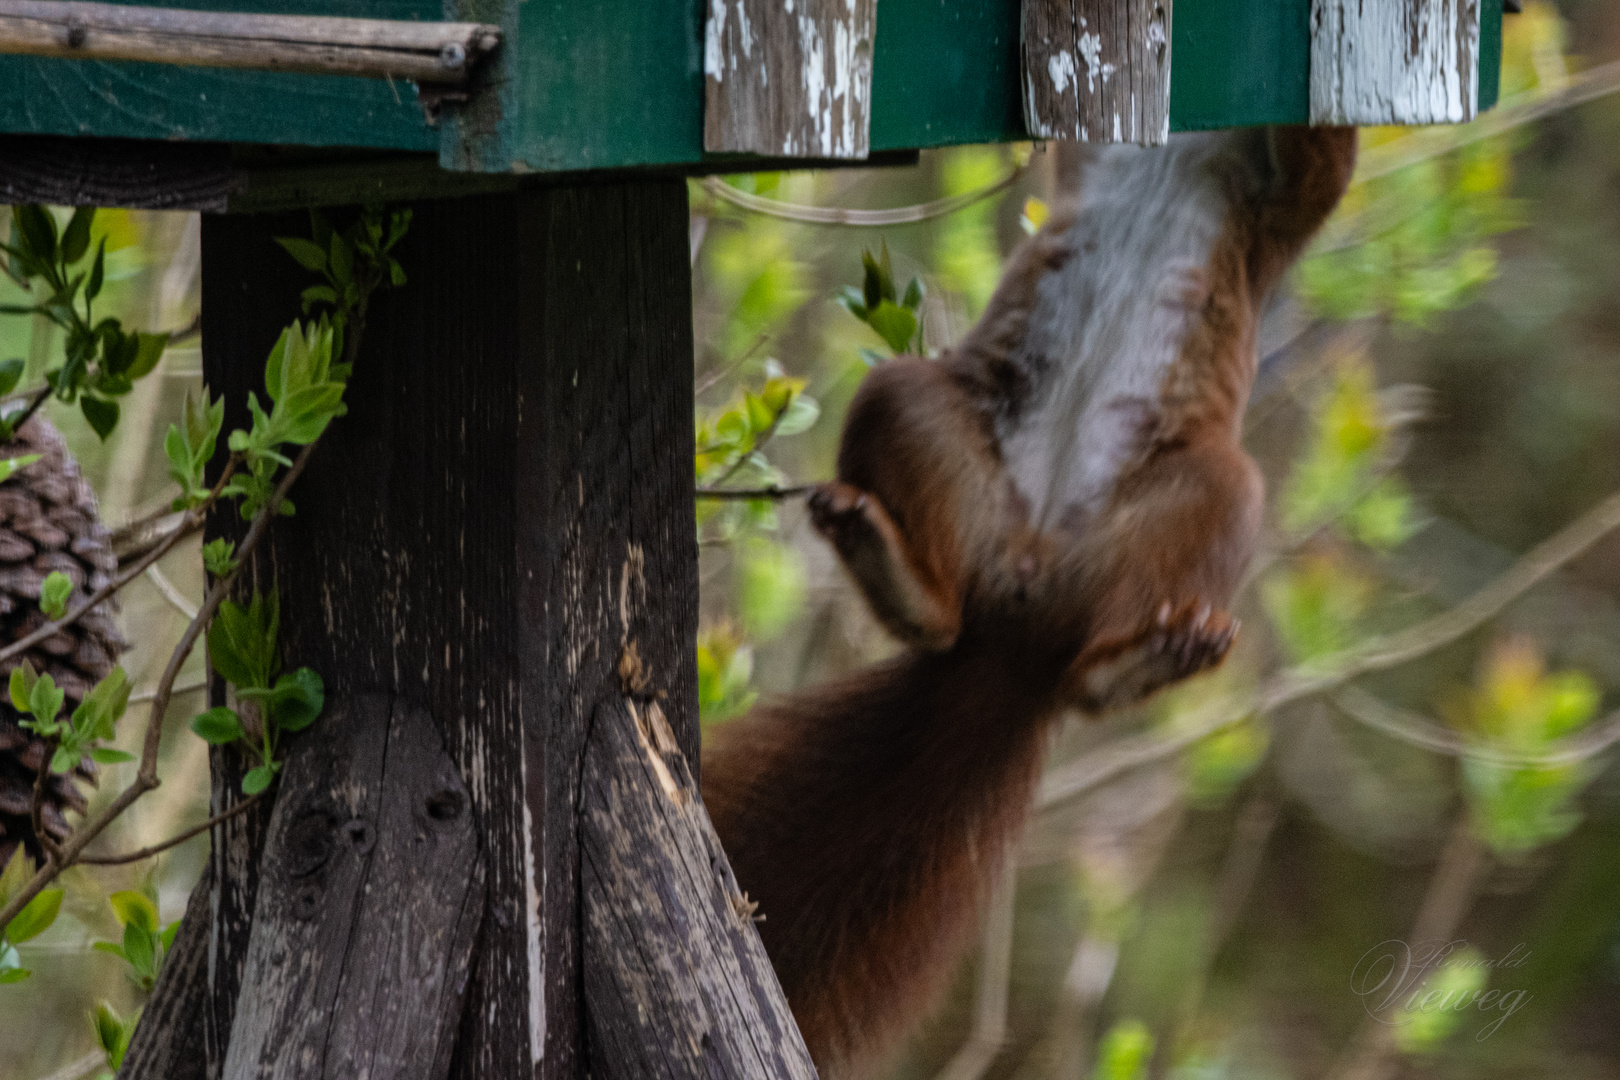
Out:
{"x": 1490, "y": 54}
{"x": 45, "y": 96}
{"x": 600, "y": 84}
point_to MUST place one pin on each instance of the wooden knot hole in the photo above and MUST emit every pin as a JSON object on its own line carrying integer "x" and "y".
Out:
{"x": 309, "y": 842}
{"x": 445, "y": 805}
{"x": 452, "y": 56}
{"x": 76, "y": 34}
{"x": 360, "y": 834}
{"x": 306, "y": 902}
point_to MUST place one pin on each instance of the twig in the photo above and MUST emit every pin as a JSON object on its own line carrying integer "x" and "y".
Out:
{"x": 772, "y": 492}
{"x": 1445, "y": 902}
{"x": 1366, "y": 709}
{"x": 33, "y": 407}
{"x": 134, "y": 539}
{"x": 174, "y": 596}
{"x": 192, "y": 521}
{"x": 838, "y": 215}
{"x": 989, "y": 1032}
{"x": 84, "y": 1066}
{"x": 36, "y": 804}
{"x": 1392, "y": 157}
{"x": 1331, "y": 672}
{"x": 184, "y": 688}
{"x": 146, "y": 779}
{"x": 173, "y": 841}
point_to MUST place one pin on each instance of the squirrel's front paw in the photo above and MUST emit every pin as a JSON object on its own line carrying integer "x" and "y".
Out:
{"x": 1177, "y": 644}
{"x": 913, "y": 608}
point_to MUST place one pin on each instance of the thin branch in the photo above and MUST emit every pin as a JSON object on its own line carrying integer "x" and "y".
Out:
{"x": 192, "y": 522}
{"x": 745, "y": 494}
{"x": 173, "y": 595}
{"x": 36, "y": 804}
{"x": 989, "y": 1031}
{"x": 1407, "y": 726}
{"x": 135, "y": 538}
{"x": 838, "y": 215}
{"x": 183, "y": 688}
{"x": 1433, "y": 142}
{"x": 173, "y": 841}
{"x": 1328, "y": 673}
{"x": 33, "y": 407}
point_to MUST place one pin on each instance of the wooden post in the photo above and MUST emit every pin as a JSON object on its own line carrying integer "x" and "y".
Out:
{"x": 507, "y": 505}
{"x": 1394, "y": 61}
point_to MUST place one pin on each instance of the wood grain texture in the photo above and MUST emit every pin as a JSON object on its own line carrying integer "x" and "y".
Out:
{"x": 677, "y": 983}
{"x": 115, "y": 172}
{"x": 371, "y": 890}
{"x": 1097, "y": 70}
{"x": 1394, "y": 61}
{"x": 507, "y": 503}
{"x": 792, "y": 79}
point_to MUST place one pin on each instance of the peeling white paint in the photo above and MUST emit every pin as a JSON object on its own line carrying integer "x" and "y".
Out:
{"x": 1061, "y": 69}
{"x": 1394, "y": 61}
{"x": 714, "y": 33}
{"x": 1091, "y": 53}
{"x": 745, "y": 33}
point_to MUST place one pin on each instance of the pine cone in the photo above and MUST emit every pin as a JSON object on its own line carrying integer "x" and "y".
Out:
{"x": 48, "y": 522}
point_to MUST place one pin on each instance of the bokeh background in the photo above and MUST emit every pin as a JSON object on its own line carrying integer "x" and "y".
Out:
{"x": 1439, "y": 392}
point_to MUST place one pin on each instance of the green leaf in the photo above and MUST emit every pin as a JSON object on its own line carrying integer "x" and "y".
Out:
{"x": 148, "y": 351}
{"x": 853, "y": 301}
{"x": 309, "y": 255}
{"x": 104, "y": 705}
{"x": 341, "y": 259}
{"x": 106, "y": 755}
{"x": 64, "y": 760}
{"x": 135, "y": 908}
{"x": 23, "y": 678}
{"x": 10, "y": 467}
{"x": 168, "y": 935}
{"x": 895, "y": 324}
{"x": 54, "y": 593}
{"x": 297, "y": 700}
{"x": 102, "y": 415}
{"x": 396, "y": 273}
{"x": 318, "y": 294}
{"x": 19, "y": 869}
{"x": 108, "y": 947}
{"x": 44, "y": 699}
{"x": 140, "y": 949}
{"x": 257, "y": 779}
{"x": 109, "y": 1028}
{"x": 35, "y": 917}
{"x": 76, "y": 237}
{"x": 800, "y": 415}
{"x": 11, "y": 969}
{"x": 242, "y": 641}
{"x": 914, "y": 295}
{"x": 37, "y": 230}
{"x": 11, "y": 372}
{"x": 98, "y": 272}
{"x": 218, "y": 557}
{"x": 217, "y": 726}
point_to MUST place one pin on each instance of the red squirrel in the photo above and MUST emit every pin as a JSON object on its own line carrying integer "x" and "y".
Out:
{"x": 1051, "y": 515}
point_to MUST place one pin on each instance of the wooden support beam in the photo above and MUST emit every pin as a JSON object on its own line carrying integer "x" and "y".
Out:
{"x": 1097, "y": 70}
{"x": 425, "y": 52}
{"x": 516, "y": 455}
{"x": 791, "y": 80}
{"x": 677, "y": 983}
{"x": 1394, "y": 61}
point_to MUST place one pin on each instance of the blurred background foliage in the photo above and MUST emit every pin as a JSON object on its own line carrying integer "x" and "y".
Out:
{"x": 1439, "y": 391}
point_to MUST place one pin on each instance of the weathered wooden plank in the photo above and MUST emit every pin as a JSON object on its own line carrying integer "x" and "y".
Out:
{"x": 791, "y": 78}
{"x": 506, "y": 504}
{"x": 371, "y": 891}
{"x": 677, "y": 983}
{"x": 1394, "y": 61}
{"x": 1097, "y": 70}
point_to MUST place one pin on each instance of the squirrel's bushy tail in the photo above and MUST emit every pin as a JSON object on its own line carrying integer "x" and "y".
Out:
{"x": 866, "y": 817}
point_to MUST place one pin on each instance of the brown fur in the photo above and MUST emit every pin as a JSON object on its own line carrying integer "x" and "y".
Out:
{"x": 868, "y": 817}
